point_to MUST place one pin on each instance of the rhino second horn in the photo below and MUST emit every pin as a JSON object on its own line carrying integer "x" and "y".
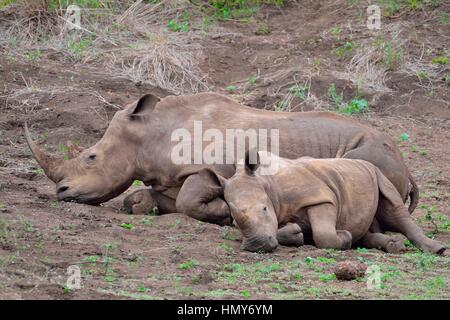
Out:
{"x": 49, "y": 163}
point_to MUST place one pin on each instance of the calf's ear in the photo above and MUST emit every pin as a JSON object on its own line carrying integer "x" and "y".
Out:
{"x": 210, "y": 175}
{"x": 252, "y": 161}
{"x": 143, "y": 106}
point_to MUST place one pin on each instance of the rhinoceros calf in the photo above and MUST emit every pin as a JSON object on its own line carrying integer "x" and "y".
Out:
{"x": 138, "y": 144}
{"x": 335, "y": 200}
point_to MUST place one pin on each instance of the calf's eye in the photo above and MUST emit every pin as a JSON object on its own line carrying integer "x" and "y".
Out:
{"x": 92, "y": 157}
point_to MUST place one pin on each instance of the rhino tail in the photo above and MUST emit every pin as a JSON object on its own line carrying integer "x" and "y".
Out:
{"x": 413, "y": 194}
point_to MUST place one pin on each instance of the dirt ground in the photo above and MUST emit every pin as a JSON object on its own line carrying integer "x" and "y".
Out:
{"x": 125, "y": 256}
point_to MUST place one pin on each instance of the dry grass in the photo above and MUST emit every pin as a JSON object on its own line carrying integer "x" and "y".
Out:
{"x": 131, "y": 41}
{"x": 165, "y": 61}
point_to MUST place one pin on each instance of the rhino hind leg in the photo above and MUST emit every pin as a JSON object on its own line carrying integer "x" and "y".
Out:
{"x": 393, "y": 214}
{"x": 200, "y": 199}
{"x": 390, "y": 244}
{"x": 323, "y": 224}
{"x": 290, "y": 235}
{"x": 144, "y": 201}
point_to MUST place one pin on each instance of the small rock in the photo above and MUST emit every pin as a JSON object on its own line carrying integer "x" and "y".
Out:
{"x": 349, "y": 270}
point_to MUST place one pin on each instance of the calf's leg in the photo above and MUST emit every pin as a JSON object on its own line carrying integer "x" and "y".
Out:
{"x": 199, "y": 198}
{"x": 390, "y": 244}
{"x": 322, "y": 218}
{"x": 393, "y": 214}
{"x": 397, "y": 218}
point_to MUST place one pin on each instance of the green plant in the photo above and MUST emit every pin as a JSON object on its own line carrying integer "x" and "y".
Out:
{"x": 176, "y": 26}
{"x": 392, "y": 57}
{"x": 447, "y": 79}
{"x": 4, "y": 3}
{"x": 77, "y": 47}
{"x": 252, "y": 80}
{"x": 327, "y": 277}
{"x": 34, "y": 56}
{"x": 66, "y": 290}
{"x": 262, "y": 30}
{"x": 281, "y": 105}
{"x": 127, "y": 226}
{"x": 390, "y": 7}
{"x": 226, "y": 247}
{"x": 64, "y": 150}
{"x": 228, "y": 235}
{"x": 137, "y": 183}
{"x": 444, "y": 19}
{"x": 404, "y": 137}
{"x": 39, "y": 171}
{"x": 189, "y": 264}
{"x": 355, "y": 105}
{"x": 295, "y": 276}
{"x": 245, "y": 293}
{"x": 142, "y": 288}
{"x": 231, "y": 88}
{"x": 299, "y": 91}
{"x": 346, "y": 49}
{"x": 325, "y": 260}
{"x": 147, "y": 221}
{"x": 423, "y": 152}
{"x": 336, "y": 31}
{"x": 440, "y": 60}
{"x": 422, "y": 75}
{"x": 238, "y": 9}
{"x": 309, "y": 260}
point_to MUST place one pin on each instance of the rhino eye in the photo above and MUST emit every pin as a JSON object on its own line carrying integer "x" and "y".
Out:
{"x": 265, "y": 209}
{"x": 92, "y": 157}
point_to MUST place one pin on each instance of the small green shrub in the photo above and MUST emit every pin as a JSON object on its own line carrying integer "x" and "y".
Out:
{"x": 356, "y": 105}
{"x": 440, "y": 60}
{"x": 262, "y": 30}
{"x": 176, "y": 26}
{"x": 188, "y": 264}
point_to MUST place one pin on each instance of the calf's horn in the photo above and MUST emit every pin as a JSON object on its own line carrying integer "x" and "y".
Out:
{"x": 49, "y": 163}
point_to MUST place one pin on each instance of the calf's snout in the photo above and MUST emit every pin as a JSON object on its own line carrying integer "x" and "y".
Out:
{"x": 260, "y": 244}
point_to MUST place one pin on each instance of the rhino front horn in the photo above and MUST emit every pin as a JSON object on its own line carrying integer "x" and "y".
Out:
{"x": 49, "y": 163}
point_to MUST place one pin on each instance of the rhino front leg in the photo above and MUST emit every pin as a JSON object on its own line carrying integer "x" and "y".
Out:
{"x": 322, "y": 218}
{"x": 199, "y": 198}
{"x": 290, "y": 235}
{"x": 146, "y": 200}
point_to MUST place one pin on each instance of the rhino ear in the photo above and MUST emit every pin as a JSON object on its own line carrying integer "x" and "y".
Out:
{"x": 252, "y": 161}
{"x": 144, "y": 105}
{"x": 210, "y": 175}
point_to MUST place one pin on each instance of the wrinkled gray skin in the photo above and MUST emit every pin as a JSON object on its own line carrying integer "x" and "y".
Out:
{"x": 137, "y": 145}
{"x": 335, "y": 200}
